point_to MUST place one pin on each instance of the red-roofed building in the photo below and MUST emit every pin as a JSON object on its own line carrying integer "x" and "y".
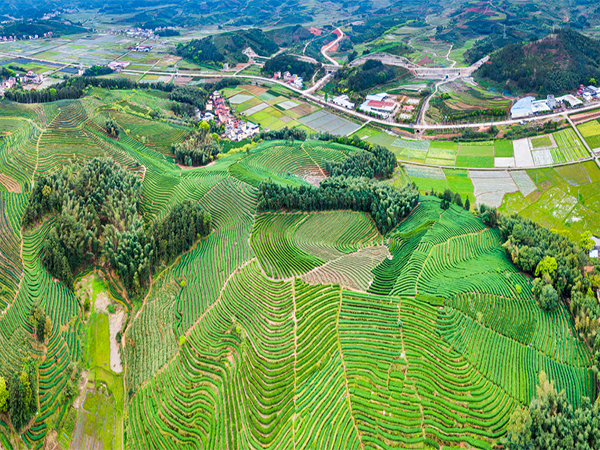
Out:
{"x": 378, "y": 107}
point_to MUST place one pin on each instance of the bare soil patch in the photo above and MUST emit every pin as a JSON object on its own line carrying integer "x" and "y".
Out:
{"x": 115, "y": 324}
{"x": 302, "y": 110}
{"x": 255, "y": 90}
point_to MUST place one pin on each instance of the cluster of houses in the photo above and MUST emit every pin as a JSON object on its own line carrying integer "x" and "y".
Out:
{"x": 382, "y": 105}
{"x": 29, "y": 78}
{"x": 145, "y": 33}
{"x": 140, "y": 48}
{"x": 293, "y": 80}
{"x": 344, "y": 101}
{"x": 218, "y": 111}
{"x": 7, "y": 84}
{"x": 59, "y": 12}
{"x": 589, "y": 93}
{"x": 117, "y": 66}
{"x": 529, "y": 106}
{"x": 31, "y": 37}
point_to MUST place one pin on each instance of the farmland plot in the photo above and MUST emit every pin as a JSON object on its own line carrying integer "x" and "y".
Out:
{"x": 490, "y": 187}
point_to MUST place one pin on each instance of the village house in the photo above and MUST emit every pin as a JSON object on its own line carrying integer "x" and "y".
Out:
{"x": 235, "y": 129}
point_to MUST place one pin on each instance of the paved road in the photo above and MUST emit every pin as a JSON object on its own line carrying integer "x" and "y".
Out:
{"x": 421, "y": 72}
{"x": 324, "y": 50}
{"x": 359, "y": 115}
{"x": 308, "y": 94}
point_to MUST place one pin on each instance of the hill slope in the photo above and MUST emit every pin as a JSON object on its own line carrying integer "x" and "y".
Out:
{"x": 557, "y": 63}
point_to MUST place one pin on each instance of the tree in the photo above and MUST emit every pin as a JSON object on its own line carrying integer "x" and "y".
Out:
{"x": 22, "y": 404}
{"x": 112, "y": 129}
{"x": 3, "y": 395}
{"x": 467, "y": 204}
{"x": 41, "y": 323}
{"x": 546, "y": 295}
{"x": 551, "y": 422}
{"x": 518, "y": 435}
{"x": 586, "y": 242}
{"x": 489, "y": 216}
{"x": 547, "y": 265}
{"x": 458, "y": 200}
{"x": 198, "y": 148}
{"x": 592, "y": 81}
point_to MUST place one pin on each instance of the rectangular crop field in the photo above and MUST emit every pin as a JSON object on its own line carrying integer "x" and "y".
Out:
{"x": 445, "y": 145}
{"x": 503, "y": 149}
{"x": 592, "y": 170}
{"x": 475, "y": 150}
{"x": 541, "y": 142}
{"x": 574, "y": 174}
{"x": 522, "y": 153}
{"x": 412, "y": 144}
{"x": 426, "y": 184}
{"x": 475, "y": 161}
{"x": 442, "y": 153}
{"x": 570, "y": 148}
{"x": 407, "y": 154}
{"x": 439, "y": 162}
{"x": 591, "y": 128}
{"x": 461, "y": 184}
{"x": 433, "y": 173}
{"x": 325, "y": 121}
{"x": 382, "y": 138}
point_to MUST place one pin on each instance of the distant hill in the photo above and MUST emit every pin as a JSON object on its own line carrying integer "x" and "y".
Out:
{"x": 371, "y": 74}
{"x": 228, "y": 47}
{"x": 557, "y": 63}
{"x": 40, "y": 27}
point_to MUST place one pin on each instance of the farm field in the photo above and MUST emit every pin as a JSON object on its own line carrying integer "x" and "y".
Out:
{"x": 560, "y": 147}
{"x": 565, "y": 198}
{"x": 591, "y": 133}
{"x": 283, "y": 328}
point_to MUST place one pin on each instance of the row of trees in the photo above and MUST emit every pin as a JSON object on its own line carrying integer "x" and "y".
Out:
{"x": 76, "y": 87}
{"x": 387, "y": 206}
{"x": 448, "y": 197}
{"x": 41, "y": 323}
{"x": 198, "y": 148}
{"x": 100, "y": 221}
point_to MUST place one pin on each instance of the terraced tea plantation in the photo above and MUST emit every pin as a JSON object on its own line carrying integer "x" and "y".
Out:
{"x": 280, "y": 329}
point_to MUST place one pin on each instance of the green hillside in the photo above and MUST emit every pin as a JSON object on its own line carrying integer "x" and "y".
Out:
{"x": 557, "y": 63}
{"x": 302, "y": 326}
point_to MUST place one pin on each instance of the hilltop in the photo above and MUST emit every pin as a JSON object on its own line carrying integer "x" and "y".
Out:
{"x": 559, "y": 62}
